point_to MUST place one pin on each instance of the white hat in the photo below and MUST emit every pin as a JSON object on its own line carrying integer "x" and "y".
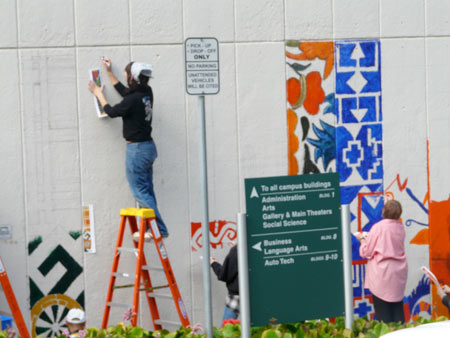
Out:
{"x": 138, "y": 68}
{"x": 76, "y": 316}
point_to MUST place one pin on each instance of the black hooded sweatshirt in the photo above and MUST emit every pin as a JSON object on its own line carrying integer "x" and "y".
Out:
{"x": 228, "y": 271}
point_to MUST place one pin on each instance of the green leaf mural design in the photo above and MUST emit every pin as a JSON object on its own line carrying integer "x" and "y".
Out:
{"x": 33, "y": 244}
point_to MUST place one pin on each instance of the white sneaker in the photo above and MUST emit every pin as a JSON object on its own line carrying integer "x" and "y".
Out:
{"x": 147, "y": 236}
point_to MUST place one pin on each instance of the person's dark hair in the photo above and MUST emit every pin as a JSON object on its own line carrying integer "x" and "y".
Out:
{"x": 392, "y": 209}
{"x": 132, "y": 83}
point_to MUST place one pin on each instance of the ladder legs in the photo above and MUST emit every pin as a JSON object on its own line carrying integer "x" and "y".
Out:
{"x": 112, "y": 280}
{"x": 162, "y": 252}
{"x": 137, "y": 279}
{"x": 144, "y": 273}
{"x": 147, "y": 221}
{"x": 13, "y": 305}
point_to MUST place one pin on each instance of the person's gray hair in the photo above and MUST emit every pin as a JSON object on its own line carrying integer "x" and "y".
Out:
{"x": 392, "y": 209}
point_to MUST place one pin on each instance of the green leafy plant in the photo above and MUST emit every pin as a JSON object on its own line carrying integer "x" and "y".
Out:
{"x": 362, "y": 328}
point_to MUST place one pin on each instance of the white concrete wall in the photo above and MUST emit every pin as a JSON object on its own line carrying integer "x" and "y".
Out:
{"x": 57, "y": 156}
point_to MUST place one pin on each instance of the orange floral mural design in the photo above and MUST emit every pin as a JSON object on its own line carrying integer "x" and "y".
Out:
{"x": 305, "y": 89}
{"x": 312, "y": 50}
{"x": 293, "y": 143}
{"x": 315, "y": 94}
{"x": 439, "y": 236}
{"x": 295, "y": 94}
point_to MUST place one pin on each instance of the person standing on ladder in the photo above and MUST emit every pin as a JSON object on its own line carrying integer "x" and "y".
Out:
{"x": 136, "y": 112}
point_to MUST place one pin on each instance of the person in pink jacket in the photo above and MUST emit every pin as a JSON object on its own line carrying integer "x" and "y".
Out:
{"x": 387, "y": 268}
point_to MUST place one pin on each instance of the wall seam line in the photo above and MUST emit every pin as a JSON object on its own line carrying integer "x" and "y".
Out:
{"x": 428, "y": 173}
{"x": 425, "y": 23}
{"x": 333, "y": 28}
{"x": 238, "y": 126}
{"x": 129, "y": 35}
{"x": 188, "y": 172}
{"x": 224, "y": 42}
{"x": 286, "y": 149}
{"x": 379, "y": 20}
{"x": 24, "y": 159}
{"x": 80, "y": 161}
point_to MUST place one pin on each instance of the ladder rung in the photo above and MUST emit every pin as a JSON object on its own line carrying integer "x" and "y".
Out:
{"x": 141, "y": 289}
{"x": 127, "y": 249}
{"x": 159, "y": 295}
{"x": 127, "y": 306}
{"x": 142, "y": 281}
{"x": 170, "y": 322}
{"x": 155, "y": 288}
{"x": 124, "y": 274}
{"x": 147, "y": 267}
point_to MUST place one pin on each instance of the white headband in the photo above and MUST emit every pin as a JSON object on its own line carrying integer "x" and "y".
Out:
{"x": 138, "y": 68}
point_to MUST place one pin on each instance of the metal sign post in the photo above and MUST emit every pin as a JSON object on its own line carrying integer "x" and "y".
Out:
{"x": 202, "y": 78}
{"x": 244, "y": 295}
{"x": 347, "y": 257}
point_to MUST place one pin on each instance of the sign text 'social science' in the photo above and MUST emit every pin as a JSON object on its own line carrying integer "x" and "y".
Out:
{"x": 294, "y": 243}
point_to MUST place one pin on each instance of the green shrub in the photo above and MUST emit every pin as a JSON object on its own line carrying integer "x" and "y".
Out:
{"x": 362, "y": 328}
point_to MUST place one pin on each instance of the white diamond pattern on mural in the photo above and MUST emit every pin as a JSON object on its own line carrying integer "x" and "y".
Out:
{"x": 357, "y": 82}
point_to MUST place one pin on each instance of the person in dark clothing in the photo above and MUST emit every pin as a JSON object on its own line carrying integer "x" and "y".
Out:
{"x": 442, "y": 292}
{"x": 228, "y": 273}
{"x": 136, "y": 111}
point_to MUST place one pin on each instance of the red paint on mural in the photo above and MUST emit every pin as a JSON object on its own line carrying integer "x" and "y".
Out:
{"x": 314, "y": 93}
{"x": 293, "y": 142}
{"x": 421, "y": 238}
{"x": 401, "y": 186}
{"x": 219, "y": 232}
{"x": 361, "y": 195}
{"x": 439, "y": 235}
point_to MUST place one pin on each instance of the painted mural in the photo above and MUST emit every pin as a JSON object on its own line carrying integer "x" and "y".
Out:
{"x": 50, "y": 300}
{"x": 415, "y": 218}
{"x": 335, "y": 123}
{"x": 53, "y": 188}
{"x": 311, "y": 112}
{"x": 439, "y": 239}
{"x": 220, "y": 233}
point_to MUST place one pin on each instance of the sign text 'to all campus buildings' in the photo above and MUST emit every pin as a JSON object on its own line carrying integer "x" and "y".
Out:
{"x": 294, "y": 248}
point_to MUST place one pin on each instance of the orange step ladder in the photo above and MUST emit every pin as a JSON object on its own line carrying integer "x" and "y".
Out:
{"x": 148, "y": 221}
{"x": 13, "y": 305}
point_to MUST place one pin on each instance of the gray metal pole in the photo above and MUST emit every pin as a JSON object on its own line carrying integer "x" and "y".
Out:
{"x": 347, "y": 257}
{"x": 205, "y": 219}
{"x": 244, "y": 295}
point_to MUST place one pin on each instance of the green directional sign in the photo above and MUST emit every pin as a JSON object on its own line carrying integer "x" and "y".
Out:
{"x": 294, "y": 248}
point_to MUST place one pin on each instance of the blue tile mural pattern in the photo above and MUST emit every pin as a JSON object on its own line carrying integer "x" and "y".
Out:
{"x": 359, "y": 150}
{"x": 337, "y": 126}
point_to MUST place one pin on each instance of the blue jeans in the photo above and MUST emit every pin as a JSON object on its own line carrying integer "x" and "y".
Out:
{"x": 228, "y": 314}
{"x": 139, "y": 169}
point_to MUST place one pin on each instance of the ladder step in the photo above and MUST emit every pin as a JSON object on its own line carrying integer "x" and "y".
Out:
{"x": 170, "y": 322}
{"x": 148, "y": 268}
{"x": 127, "y": 306}
{"x": 154, "y": 288}
{"x": 124, "y": 274}
{"x": 143, "y": 269}
{"x": 159, "y": 295}
{"x": 122, "y": 249}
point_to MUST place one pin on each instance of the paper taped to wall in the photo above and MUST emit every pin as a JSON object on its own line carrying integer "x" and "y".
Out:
{"x": 95, "y": 76}
{"x": 88, "y": 229}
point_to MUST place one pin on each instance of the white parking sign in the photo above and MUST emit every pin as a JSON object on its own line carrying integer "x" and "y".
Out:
{"x": 202, "y": 66}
